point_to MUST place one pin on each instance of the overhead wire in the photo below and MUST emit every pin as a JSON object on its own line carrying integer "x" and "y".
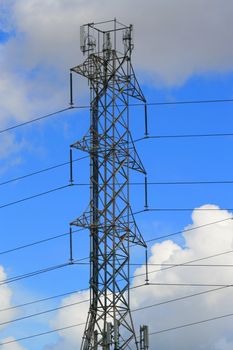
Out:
{"x": 81, "y": 229}
{"x": 52, "y": 167}
{"x": 77, "y": 262}
{"x": 55, "y": 308}
{"x": 41, "y": 334}
{"x": 187, "y": 262}
{"x": 36, "y": 119}
{"x": 37, "y": 242}
{"x": 52, "y": 190}
{"x": 33, "y": 273}
{"x": 190, "y": 324}
{"x": 149, "y": 209}
{"x": 175, "y": 136}
{"x": 49, "y": 115}
{"x": 37, "y": 301}
{"x": 180, "y": 209}
{"x": 207, "y": 101}
{"x": 135, "y": 310}
{"x": 132, "y": 183}
{"x": 135, "y": 213}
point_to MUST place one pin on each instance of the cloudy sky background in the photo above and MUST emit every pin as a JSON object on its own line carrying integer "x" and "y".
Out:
{"x": 182, "y": 51}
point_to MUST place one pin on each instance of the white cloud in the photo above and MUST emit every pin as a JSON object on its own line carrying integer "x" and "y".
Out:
{"x": 5, "y": 300}
{"x": 223, "y": 344}
{"x": 12, "y": 346}
{"x": 173, "y": 41}
{"x": 69, "y": 316}
{"x": 199, "y": 243}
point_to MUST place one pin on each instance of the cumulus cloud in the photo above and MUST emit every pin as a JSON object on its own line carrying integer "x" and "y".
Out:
{"x": 198, "y": 243}
{"x": 173, "y": 41}
{"x": 71, "y": 338}
{"x": 5, "y": 300}
{"x": 14, "y": 346}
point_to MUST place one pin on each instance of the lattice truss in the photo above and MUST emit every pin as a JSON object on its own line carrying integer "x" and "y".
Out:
{"x": 109, "y": 216}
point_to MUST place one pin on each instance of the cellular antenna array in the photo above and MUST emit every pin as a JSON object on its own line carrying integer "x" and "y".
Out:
{"x": 107, "y": 48}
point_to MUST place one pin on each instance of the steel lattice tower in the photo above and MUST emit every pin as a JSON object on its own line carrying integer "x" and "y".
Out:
{"x": 109, "y": 217}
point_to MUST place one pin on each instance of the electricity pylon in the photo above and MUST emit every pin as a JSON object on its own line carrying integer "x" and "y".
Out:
{"x": 107, "y": 47}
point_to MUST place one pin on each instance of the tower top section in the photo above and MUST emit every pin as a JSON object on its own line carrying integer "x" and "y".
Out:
{"x": 104, "y": 37}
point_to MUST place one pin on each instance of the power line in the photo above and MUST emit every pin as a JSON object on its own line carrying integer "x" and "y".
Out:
{"x": 181, "y": 265}
{"x": 187, "y": 230}
{"x": 174, "y": 136}
{"x": 181, "y": 209}
{"x": 200, "y": 182}
{"x": 37, "y": 301}
{"x": 187, "y": 102}
{"x": 181, "y": 298}
{"x": 52, "y": 167}
{"x": 138, "y": 183}
{"x": 133, "y": 104}
{"x": 41, "y": 334}
{"x": 77, "y": 262}
{"x": 187, "y": 262}
{"x": 191, "y": 324}
{"x": 42, "y": 300}
{"x": 34, "y": 196}
{"x": 33, "y": 273}
{"x": 147, "y": 241}
{"x": 53, "y": 309}
{"x": 152, "y": 333}
{"x": 135, "y": 213}
{"x": 37, "y": 242}
{"x": 135, "y": 310}
{"x": 186, "y": 284}
{"x": 10, "y": 128}
{"x": 43, "y": 312}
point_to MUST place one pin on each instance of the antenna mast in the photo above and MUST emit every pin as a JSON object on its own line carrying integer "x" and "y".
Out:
{"x": 107, "y": 47}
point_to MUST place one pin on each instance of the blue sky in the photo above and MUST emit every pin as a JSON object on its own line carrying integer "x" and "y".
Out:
{"x": 34, "y": 81}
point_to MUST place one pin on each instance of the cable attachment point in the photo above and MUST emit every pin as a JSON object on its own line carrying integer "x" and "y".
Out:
{"x": 146, "y": 120}
{"x": 71, "y": 167}
{"x": 147, "y": 275}
{"x": 71, "y": 246}
{"x": 146, "y": 193}
{"x": 71, "y": 90}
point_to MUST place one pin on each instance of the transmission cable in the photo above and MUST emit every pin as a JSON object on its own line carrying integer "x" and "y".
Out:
{"x": 10, "y": 128}
{"x": 33, "y": 273}
{"x": 139, "y": 275}
{"x": 132, "y": 104}
{"x": 180, "y": 209}
{"x": 35, "y": 196}
{"x": 185, "y": 263}
{"x": 152, "y": 333}
{"x": 82, "y": 229}
{"x": 132, "y": 183}
{"x": 38, "y": 242}
{"x": 55, "y": 309}
{"x": 181, "y": 298}
{"x": 190, "y": 324}
{"x": 133, "y": 310}
{"x": 147, "y": 137}
{"x": 52, "y": 167}
{"x": 41, "y": 334}
{"x": 135, "y": 213}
